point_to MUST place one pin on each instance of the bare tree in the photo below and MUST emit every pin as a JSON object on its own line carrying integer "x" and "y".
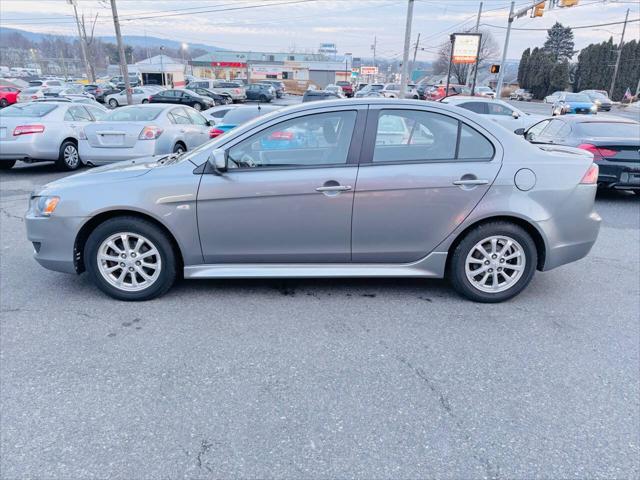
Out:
{"x": 488, "y": 49}
{"x": 89, "y": 42}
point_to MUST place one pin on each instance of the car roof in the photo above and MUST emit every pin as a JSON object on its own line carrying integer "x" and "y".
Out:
{"x": 467, "y": 98}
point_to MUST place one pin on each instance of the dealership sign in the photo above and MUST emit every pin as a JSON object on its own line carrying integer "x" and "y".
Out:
{"x": 229, "y": 64}
{"x": 466, "y": 47}
{"x": 369, "y": 70}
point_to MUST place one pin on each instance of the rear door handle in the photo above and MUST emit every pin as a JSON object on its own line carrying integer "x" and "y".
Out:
{"x": 471, "y": 182}
{"x": 334, "y": 188}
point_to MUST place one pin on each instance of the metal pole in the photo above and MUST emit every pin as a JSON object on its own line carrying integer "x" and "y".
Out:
{"x": 82, "y": 39}
{"x": 123, "y": 61}
{"x": 476, "y": 65}
{"x": 415, "y": 53}
{"x": 615, "y": 70}
{"x": 407, "y": 46}
{"x": 374, "y": 51}
{"x": 161, "y": 66}
{"x": 475, "y": 68}
{"x": 446, "y": 90}
{"x": 504, "y": 53}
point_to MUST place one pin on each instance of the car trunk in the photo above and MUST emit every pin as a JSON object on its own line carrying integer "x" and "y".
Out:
{"x": 617, "y": 149}
{"x": 8, "y": 125}
{"x": 114, "y": 134}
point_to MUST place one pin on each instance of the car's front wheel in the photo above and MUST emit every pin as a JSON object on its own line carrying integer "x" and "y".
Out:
{"x": 130, "y": 259}
{"x": 3, "y": 102}
{"x": 113, "y": 103}
{"x": 197, "y": 106}
{"x": 493, "y": 262}
{"x": 68, "y": 156}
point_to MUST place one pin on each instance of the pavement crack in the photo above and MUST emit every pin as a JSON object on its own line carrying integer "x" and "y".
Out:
{"x": 11, "y": 215}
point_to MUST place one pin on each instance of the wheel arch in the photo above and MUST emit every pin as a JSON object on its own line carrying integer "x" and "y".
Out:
{"x": 93, "y": 222}
{"x": 529, "y": 227}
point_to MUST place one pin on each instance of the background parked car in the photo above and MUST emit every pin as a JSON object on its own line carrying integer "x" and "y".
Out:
{"x": 372, "y": 87}
{"x": 553, "y": 97}
{"x": 101, "y": 90}
{"x": 600, "y": 100}
{"x": 315, "y": 95}
{"x": 498, "y": 111}
{"x": 347, "y": 88}
{"x": 215, "y": 114}
{"x": 521, "y": 94}
{"x": 277, "y": 85}
{"x": 138, "y": 95}
{"x": 573, "y": 103}
{"x": 240, "y": 115}
{"x": 614, "y": 143}
{"x": 483, "y": 91}
{"x": 44, "y": 131}
{"x": 234, "y": 89}
{"x": 261, "y": 92}
{"x": 143, "y": 130}
{"x": 29, "y": 94}
{"x": 182, "y": 97}
{"x": 337, "y": 89}
{"x": 438, "y": 93}
{"x": 8, "y": 96}
{"x": 217, "y": 98}
{"x": 392, "y": 90}
{"x": 49, "y": 87}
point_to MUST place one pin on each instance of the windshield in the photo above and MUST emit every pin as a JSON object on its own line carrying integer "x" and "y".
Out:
{"x": 241, "y": 115}
{"x": 610, "y": 129}
{"x": 133, "y": 114}
{"x": 33, "y": 109}
{"x": 576, "y": 97}
{"x": 375, "y": 87}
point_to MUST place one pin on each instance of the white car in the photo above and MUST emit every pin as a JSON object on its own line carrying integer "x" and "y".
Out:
{"x": 30, "y": 94}
{"x": 553, "y": 98}
{"x": 138, "y": 95}
{"x": 485, "y": 92}
{"x": 215, "y": 114}
{"x": 392, "y": 90}
{"x": 498, "y": 111}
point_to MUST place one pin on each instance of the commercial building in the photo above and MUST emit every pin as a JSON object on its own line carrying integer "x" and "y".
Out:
{"x": 158, "y": 70}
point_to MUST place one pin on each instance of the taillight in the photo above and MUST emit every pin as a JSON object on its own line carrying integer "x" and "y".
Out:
{"x": 215, "y": 132}
{"x": 27, "y": 129}
{"x": 281, "y": 136}
{"x": 33, "y": 97}
{"x": 150, "y": 133}
{"x": 149, "y": 97}
{"x": 237, "y": 90}
{"x": 591, "y": 177}
{"x": 598, "y": 152}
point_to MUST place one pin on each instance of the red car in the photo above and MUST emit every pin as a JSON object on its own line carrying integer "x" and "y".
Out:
{"x": 347, "y": 88}
{"x": 8, "y": 96}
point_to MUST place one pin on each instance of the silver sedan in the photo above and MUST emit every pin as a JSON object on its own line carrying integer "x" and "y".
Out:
{"x": 143, "y": 130}
{"x": 44, "y": 131}
{"x": 346, "y": 188}
{"x": 138, "y": 95}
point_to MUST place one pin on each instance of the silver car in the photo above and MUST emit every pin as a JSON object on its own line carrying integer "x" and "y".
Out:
{"x": 139, "y": 95}
{"x": 143, "y": 130}
{"x": 323, "y": 190}
{"x": 44, "y": 131}
{"x": 498, "y": 111}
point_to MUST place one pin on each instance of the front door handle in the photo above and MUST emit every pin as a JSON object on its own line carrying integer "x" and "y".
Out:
{"x": 471, "y": 182}
{"x": 334, "y": 188}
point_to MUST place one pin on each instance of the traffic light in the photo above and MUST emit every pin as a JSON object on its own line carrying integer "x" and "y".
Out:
{"x": 495, "y": 69}
{"x": 538, "y": 10}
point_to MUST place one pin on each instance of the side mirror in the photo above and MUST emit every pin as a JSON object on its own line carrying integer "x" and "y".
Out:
{"x": 218, "y": 161}
{"x": 519, "y": 131}
{"x": 515, "y": 115}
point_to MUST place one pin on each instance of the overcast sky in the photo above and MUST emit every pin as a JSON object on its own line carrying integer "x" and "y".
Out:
{"x": 282, "y": 25}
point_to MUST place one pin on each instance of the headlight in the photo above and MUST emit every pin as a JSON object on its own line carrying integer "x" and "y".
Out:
{"x": 44, "y": 206}
{"x": 594, "y": 108}
{"x": 597, "y": 102}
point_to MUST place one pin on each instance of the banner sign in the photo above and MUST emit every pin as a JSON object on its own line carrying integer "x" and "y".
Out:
{"x": 368, "y": 70}
{"x": 466, "y": 47}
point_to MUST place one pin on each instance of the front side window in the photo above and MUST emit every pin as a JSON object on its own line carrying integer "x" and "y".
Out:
{"x": 312, "y": 140}
{"x": 195, "y": 117}
{"x": 79, "y": 114}
{"x": 537, "y": 129}
{"x": 414, "y": 136}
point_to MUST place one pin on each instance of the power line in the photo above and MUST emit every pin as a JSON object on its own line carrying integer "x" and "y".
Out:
{"x": 572, "y": 28}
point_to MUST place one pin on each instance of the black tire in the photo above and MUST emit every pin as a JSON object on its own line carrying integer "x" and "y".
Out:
{"x": 7, "y": 164}
{"x": 144, "y": 100}
{"x": 457, "y": 266}
{"x": 197, "y": 106}
{"x": 138, "y": 226}
{"x": 68, "y": 157}
{"x": 179, "y": 148}
{"x": 113, "y": 103}
{"x": 263, "y": 99}
{"x": 3, "y": 102}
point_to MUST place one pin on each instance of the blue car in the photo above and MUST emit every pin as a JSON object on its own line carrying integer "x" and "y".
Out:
{"x": 240, "y": 115}
{"x": 578, "y": 103}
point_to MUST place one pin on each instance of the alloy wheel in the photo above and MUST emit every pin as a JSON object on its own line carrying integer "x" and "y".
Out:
{"x": 495, "y": 264}
{"x": 71, "y": 157}
{"x": 129, "y": 261}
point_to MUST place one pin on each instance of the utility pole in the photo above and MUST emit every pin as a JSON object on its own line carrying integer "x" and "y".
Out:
{"x": 504, "y": 53}
{"x": 123, "y": 60}
{"x": 407, "y": 45}
{"x": 82, "y": 39}
{"x": 373, "y": 47}
{"x": 415, "y": 53}
{"x": 615, "y": 70}
{"x": 476, "y": 31}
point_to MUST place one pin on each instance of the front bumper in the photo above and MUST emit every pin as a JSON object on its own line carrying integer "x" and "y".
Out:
{"x": 28, "y": 147}
{"x": 620, "y": 175}
{"x": 53, "y": 239}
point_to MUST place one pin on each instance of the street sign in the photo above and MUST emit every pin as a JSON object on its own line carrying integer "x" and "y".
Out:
{"x": 369, "y": 70}
{"x": 465, "y": 47}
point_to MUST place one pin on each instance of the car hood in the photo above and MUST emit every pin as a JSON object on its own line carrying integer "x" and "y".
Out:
{"x": 112, "y": 173}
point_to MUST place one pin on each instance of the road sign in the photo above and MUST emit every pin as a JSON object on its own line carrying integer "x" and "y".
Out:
{"x": 369, "y": 70}
{"x": 465, "y": 47}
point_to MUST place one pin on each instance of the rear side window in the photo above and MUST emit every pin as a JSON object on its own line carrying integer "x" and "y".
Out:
{"x": 78, "y": 114}
{"x": 478, "y": 107}
{"x": 180, "y": 116}
{"x": 414, "y": 136}
{"x": 195, "y": 117}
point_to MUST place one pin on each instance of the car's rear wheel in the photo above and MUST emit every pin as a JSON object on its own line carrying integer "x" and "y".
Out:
{"x": 113, "y": 103}
{"x": 3, "y": 102}
{"x": 68, "y": 157}
{"x": 179, "y": 148}
{"x": 144, "y": 100}
{"x": 7, "y": 164}
{"x": 197, "y": 106}
{"x": 493, "y": 262}
{"x": 130, "y": 258}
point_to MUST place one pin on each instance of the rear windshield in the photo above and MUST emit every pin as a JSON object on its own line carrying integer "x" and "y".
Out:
{"x": 35, "y": 83}
{"x": 32, "y": 109}
{"x": 241, "y": 115}
{"x": 133, "y": 114}
{"x": 31, "y": 90}
{"x": 610, "y": 129}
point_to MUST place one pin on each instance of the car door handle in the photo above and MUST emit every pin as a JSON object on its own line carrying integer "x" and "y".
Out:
{"x": 471, "y": 182}
{"x": 334, "y": 188}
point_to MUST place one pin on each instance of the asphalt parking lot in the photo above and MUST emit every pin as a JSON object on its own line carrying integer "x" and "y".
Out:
{"x": 320, "y": 378}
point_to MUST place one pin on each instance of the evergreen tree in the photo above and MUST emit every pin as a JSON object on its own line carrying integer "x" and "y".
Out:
{"x": 559, "y": 44}
{"x": 522, "y": 66}
{"x": 559, "y": 77}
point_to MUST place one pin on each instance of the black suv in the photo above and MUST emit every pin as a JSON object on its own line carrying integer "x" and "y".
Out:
{"x": 313, "y": 95}
{"x": 182, "y": 97}
{"x": 260, "y": 91}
